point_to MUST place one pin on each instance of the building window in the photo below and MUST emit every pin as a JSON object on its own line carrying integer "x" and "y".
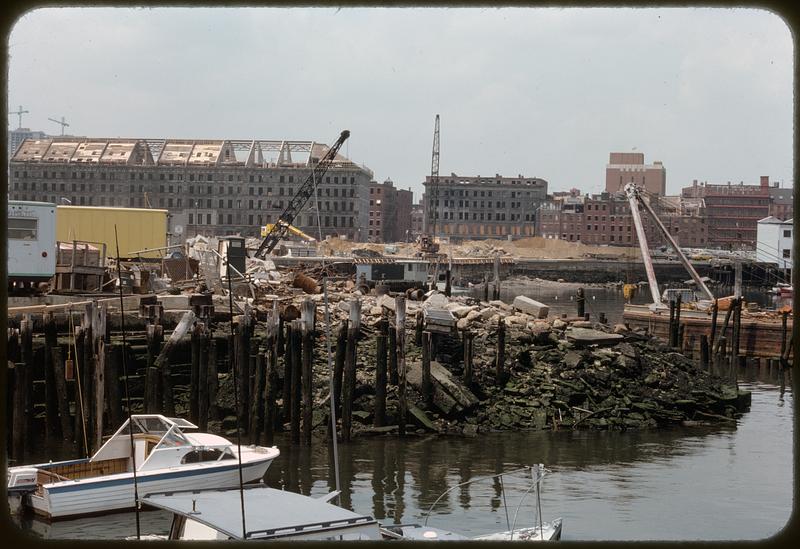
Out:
{"x": 787, "y": 254}
{"x": 787, "y": 233}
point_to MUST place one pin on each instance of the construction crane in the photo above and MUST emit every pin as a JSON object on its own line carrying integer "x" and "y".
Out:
{"x": 427, "y": 241}
{"x": 306, "y": 190}
{"x": 635, "y": 198}
{"x": 63, "y": 124}
{"x": 19, "y": 113}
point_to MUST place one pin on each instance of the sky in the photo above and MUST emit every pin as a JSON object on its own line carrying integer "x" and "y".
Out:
{"x": 540, "y": 92}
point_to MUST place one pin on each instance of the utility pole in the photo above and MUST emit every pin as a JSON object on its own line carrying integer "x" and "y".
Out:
{"x": 19, "y": 113}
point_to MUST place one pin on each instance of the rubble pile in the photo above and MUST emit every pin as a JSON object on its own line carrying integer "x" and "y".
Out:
{"x": 560, "y": 373}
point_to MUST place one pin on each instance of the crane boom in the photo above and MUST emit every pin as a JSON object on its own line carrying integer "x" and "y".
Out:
{"x": 635, "y": 197}
{"x": 306, "y": 190}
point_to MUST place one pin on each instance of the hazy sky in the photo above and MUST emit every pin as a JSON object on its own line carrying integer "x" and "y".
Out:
{"x": 539, "y": 92}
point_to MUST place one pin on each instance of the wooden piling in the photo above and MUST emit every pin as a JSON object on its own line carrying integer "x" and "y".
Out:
{"x": 349, "y": 378}
{"x": 286, "y": 412}
{"x": 427, "y": 386}
{"x": 418, "y": 327}
{"x": 270, "y": 392}
{"x": 501, "y": 376}
{"x": 50, "y": 390}
{"x": 152, "y": 397}
{"x": 338, "y": 364}
{"x": 784, "y": 317}
{"x": 257, "y": 404}
{"x": 379, "y": 419}
{"x": 28, "y": 359}
{"x": 307, "y": 314}
{"x": 295, "y": 349}
{"x": 672, "y": 335}
{"x": 678, "y": 338}
{"x": 737, "y": 323}
{"x": 447, "y": 284}
{"x": 496, "y": 292}
{"x": 713, "y": 335}
{"x": 87, "y": 371}
{"x": 194, "y": 376}
{"x": 400, "y": 329}
{"x": 243, "y": 360}
{"x": 18, "y": 419}
{"x": 393, "y": 377}
{"x": 704, "y": 364}
{"x": 62, "y": 397}
{"x": 212, "y": 380}
{"x": 468, "y": 342}
{"x": 486, "y": 288}
{"x": 716, "y": 348}
{"x": 79, "y": 430}
{"x": 580, "y": 301}
{"x": 202, "y": 380}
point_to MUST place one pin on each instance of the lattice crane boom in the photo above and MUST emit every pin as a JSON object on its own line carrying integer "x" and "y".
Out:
{"x": 306, "y": 191}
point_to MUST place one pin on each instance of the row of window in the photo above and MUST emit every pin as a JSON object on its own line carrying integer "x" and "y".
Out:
{"x": 23, "y": 174}
{"x": 475, "y": 193}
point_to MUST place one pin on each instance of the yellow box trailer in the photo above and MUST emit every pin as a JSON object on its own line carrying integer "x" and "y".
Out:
{"x": 137, "y": 228}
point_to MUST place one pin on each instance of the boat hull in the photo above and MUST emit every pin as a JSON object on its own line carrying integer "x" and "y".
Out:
{"x": 116, "y": 492}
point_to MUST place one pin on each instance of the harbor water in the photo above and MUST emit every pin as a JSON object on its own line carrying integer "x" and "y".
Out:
{"x": 724, "y": 482}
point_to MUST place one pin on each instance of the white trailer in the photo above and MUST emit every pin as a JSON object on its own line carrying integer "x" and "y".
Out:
{"x": 31, "y": 242}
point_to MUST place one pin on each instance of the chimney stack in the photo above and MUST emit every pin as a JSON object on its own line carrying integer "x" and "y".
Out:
{"x": 765, "y": 181}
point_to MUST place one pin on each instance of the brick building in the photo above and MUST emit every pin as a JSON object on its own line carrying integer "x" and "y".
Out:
{"x": 733, "y": 211}
{"x": 781, "y": 202}
{"x": 212, "y": 187}
{"x": 417, "y": 220}
{"x": 624, "y": 168}
{"x": 389, "y": 212}
{"x": 471, "y": 208}
{"x": 605, "y": 219}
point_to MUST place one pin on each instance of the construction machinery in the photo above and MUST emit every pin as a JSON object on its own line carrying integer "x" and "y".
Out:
{"x": 635, "y": 198}
{"x": 306, "y": 190}
{"x": 265, "y": 230}
{"x": 427, "y": 241}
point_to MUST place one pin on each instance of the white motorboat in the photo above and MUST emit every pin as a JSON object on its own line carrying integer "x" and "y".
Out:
{"x": 271, "y": 514}
{"x": 166, "y": 459}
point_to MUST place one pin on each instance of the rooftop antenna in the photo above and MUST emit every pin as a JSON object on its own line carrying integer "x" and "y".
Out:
{"x": 19, "y": 113}
{"x": 63, "y": 124}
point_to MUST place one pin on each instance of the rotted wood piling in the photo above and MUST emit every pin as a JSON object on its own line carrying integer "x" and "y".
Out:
{"x": 400, "y": 329}
{"x": 307, "y": 314}
{"x": 381, "y": 373}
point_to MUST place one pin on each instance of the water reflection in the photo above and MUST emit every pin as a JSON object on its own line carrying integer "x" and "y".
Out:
{"x": 606, "y": 485}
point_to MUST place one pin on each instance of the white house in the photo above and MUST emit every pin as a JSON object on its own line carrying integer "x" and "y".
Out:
{"x": 774, "y": 242}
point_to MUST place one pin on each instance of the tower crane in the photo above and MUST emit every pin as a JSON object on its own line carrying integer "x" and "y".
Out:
{"x": 306, "y": 190}
{"x": 19, "y": 113}
{"x": 63, "y": 124}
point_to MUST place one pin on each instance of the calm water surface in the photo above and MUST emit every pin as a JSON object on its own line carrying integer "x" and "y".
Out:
{"x": 709, "y": 483}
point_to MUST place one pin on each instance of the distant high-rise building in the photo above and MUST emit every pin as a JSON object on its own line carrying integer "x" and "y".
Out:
{"x": 16, "y": 137}
{"x": 629, "y": 167}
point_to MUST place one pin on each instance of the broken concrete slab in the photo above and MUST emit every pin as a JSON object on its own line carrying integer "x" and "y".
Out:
{"x": 587, "y": 336}
{"x": 531, "y": 306}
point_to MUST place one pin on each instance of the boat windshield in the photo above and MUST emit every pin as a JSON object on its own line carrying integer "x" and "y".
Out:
{"x": 172, "y": 439}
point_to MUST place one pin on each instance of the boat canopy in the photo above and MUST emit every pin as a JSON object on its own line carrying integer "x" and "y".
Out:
{"x": 269, "y": 513}
{"x": 166, "y": 430}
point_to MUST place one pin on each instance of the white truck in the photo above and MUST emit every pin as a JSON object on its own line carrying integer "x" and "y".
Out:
{"x": 31, "y": 243}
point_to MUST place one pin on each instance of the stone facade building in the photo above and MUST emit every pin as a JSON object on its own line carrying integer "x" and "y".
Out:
{"x": 211, "y": 187}
{"x": 624, "y": 168}
{"x": 472, "y": 208}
